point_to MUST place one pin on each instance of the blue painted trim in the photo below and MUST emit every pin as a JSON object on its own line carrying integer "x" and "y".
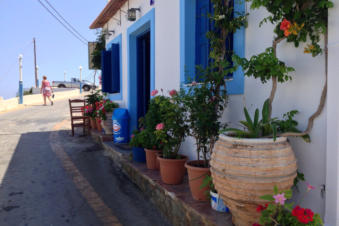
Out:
{"x": 236, "y": 85}
{"x": 117, "y": 40}
{"x": 187, "y": 44}
{"x": 80, "y": 88}
{"x": 144, "y": 24}
{"x": 187, "y": 39}
{"x": 21, "y": 92}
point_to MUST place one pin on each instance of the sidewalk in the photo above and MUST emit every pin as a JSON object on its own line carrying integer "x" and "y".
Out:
{"x": 174, "y": 201}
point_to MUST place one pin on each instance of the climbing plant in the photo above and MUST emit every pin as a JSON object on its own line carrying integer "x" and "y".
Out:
{"x": 96, "y": 55}
{"x": 296, "y": 21}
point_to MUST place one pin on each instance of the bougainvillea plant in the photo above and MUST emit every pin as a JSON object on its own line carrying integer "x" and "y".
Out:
{"x": 279, "y": 211}
{"x": 296, "y": 21}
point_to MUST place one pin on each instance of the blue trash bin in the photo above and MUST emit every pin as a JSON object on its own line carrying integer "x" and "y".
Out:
{"x": 120, "y": 120}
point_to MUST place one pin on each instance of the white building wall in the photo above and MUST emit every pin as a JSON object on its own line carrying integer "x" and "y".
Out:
{"x": 302, "y": 93}
{"x": 332, "y": 158}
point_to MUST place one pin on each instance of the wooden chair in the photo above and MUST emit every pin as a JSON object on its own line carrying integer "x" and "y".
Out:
{"x": 77, "y": 115}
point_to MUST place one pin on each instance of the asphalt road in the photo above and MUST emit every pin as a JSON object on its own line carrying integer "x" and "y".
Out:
{"x": 48, "y": 177}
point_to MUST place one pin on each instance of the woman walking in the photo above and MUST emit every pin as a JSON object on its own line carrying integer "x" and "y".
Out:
{"x": 46, "y": 90}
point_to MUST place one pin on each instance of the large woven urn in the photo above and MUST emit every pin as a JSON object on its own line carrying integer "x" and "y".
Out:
{"x": 245, "y": 169}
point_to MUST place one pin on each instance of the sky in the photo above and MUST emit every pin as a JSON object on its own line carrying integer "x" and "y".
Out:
{"x": 57, "y": 49}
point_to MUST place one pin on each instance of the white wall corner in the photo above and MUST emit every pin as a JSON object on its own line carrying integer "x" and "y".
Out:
{"x": 332, "y": 147}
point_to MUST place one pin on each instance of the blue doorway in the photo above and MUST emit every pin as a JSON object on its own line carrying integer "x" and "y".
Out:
{"x": 141, "y": 66}
{"x": 143, "y": 73}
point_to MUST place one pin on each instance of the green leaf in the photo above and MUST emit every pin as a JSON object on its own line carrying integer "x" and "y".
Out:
{"x": 289, "y": 206}
{"x": 267, "y": 198}
{"x": 288, "y": 194}
{"x": 249, "y": 120}
{"x": 256, "y": 118}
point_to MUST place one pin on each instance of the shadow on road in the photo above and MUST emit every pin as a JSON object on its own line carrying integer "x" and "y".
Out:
{"x": 37, "y": 190}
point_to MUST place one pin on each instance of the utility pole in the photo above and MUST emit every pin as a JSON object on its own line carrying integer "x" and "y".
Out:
{"x": 80, "y": 68}
{"x": 35, "y": 66}
{"x": 21, "y": 88}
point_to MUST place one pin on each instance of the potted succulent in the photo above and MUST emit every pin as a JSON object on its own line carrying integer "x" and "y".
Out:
{"x": 261, "y": 156}
{"x": 171, "y": 133}
{"x": 106, "y": 109}
{"x": 204, "y": 106}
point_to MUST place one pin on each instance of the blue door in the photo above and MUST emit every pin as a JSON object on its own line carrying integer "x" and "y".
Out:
{"x": 202, "y": 27}
{"x": 143, "y": 73}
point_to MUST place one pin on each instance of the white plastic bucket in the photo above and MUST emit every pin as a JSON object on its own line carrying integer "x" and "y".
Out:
{"x": 217, "y": 203}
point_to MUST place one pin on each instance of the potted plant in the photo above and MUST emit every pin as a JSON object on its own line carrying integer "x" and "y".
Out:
{"x": 90, "y": 112}
{"x": 91, "y": 99}
{"x": 106, "y": 109}
{"x": 204, "y": 105}
{"x": 170, "y": 133}
{"x": 276, "y": 209}
{"x": 153, "y": 146}
{"x": 98, "y": 106}
{"x": 211, "y": 193}
{"x": 137, "y": 143}
{"x": 246, "y": 164}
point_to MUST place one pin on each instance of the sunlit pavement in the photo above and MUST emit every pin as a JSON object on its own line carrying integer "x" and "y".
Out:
{"x": 50, "y": 178}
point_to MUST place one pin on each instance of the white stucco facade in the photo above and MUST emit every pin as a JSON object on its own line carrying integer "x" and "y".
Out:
{"x": 319, "y": 159}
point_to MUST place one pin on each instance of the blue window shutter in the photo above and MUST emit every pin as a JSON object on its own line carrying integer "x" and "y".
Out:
{"x": 106, "y": 71}
{"x": 115, "y": 88}
{"x": 203, "y": 8}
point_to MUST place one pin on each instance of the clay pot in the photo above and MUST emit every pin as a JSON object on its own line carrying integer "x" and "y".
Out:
{"x": 93, "y": 123}
{"x": 172, "y": 171}
{"x": 107, "y": 124}
{"x": 196, "y": 176}
{"x": 98, "y": 124}
{"x": 245, "y": 169}
{"x": 152, "y": 161}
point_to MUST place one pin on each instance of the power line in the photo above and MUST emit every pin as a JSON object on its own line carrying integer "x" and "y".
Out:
{"x": 74, "y": 34}
{"x": 65, "y": 20}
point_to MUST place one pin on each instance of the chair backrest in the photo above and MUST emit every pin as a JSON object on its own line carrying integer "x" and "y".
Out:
{"x": 76, "y": 106}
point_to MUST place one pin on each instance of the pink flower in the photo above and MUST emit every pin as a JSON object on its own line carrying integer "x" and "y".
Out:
{"x": 160, "y": 126}
{"x": 154, "y": 92}
{"x": 132, "y": 136}
{"x": 310, "y": 187}
{"x": 194, "y": 83}
{"x": 280, "y": 198}
{"x": 142, "y": 129}
{"x": 173, "y": 92}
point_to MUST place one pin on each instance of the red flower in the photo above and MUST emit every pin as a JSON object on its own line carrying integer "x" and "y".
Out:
{"x": 303, "y": 215}
{"x": 173, "y": 92}
{"x": 261, "y": 207}
{"x": 285, "y": 25}
{"x": 256, "y": 224}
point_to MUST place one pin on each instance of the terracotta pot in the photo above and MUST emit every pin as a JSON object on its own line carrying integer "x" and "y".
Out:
{"x": 107, "y": 124}
{"x": 98, "y": 124}
{"x": 152, "y": 161}
{"x": 245, "y": 169}
{"x": 93, "y": 123}
{"x": 196, "y": 176}
{"x": 172, "y": 171}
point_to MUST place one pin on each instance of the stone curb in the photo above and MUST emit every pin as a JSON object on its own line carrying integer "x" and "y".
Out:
{"x": 176, "y": 211}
